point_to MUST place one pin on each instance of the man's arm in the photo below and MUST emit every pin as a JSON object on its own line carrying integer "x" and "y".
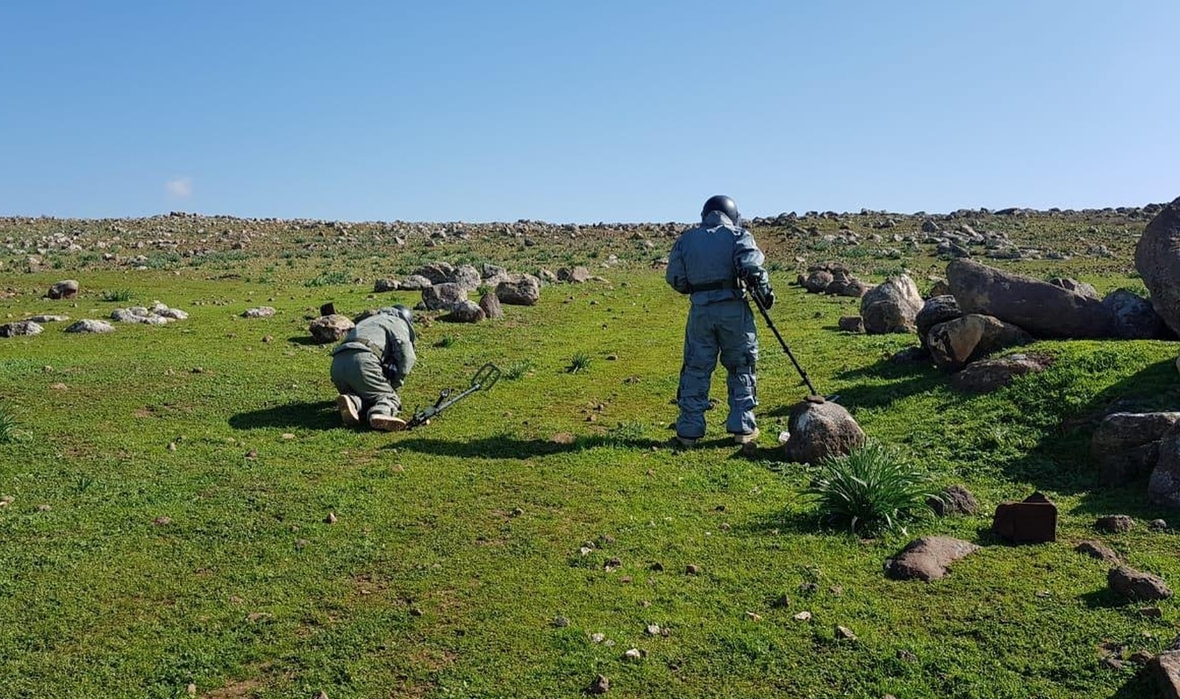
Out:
{"x": 748, "y": 261}
{"x": 676, "y": 275}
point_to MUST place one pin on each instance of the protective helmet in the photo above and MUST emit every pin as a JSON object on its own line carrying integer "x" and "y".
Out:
{"x": 404, "y": 313}
{"x": 400, "y": 311}
{"x": 722, "y": 203}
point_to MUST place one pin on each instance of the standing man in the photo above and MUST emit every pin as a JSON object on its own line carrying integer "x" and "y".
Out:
{"x": 710, "y": 263}
{"x": 371, "y": 364}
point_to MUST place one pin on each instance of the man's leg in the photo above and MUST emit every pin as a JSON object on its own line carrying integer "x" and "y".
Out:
{"x": 348, "y": 403}
{"x": 700, "y": 358}
{"x": 739, "y": 354}
{"x": 380, "y": 400}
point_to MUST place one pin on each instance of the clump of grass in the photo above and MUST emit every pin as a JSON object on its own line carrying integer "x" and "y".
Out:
{"x": 517, "y": 370}
{"x": 8, "y": 427}
{"x": 625, "y": 434}
{"x": 579, "y": 362}
{"x": 872, "y": 490}
{"x": 119, "y": 295}
{"x": 328, "y": 279}
{"x": 444, "y": 341}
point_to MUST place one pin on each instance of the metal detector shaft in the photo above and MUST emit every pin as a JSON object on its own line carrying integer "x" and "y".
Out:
{"x": 483, "y": 379}
{"x": 781, "y": 341}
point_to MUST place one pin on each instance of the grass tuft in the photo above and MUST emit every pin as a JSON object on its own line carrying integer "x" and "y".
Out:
{"x": 444, "y": 341}
{"x": 328, "y": 279}
{"x": 872, "y": 490}
{"x": 579, "y": 362}
{"x": 117, "y": 295}
{"x": 8, "y": 427}
{"x": 518, "y": 369}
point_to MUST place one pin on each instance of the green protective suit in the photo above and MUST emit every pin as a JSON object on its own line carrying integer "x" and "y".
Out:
{"x": 373, "y": 362}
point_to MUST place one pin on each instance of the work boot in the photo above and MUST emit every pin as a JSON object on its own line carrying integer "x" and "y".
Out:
{"x": 742, "y": 439}
{"x": 679, "y": 442}
{"x": 349, "y": 407}
{"x": 386, "y": 423}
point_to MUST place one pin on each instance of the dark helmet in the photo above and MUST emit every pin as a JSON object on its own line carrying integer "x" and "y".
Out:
{"x": 400, "y": 311}
{"x": 404, "y": 313}
{"x": 722, "y": 203}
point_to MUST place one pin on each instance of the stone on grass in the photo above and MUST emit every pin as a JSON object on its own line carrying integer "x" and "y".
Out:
{"x": 330, "y": 328}
{"x": 1133, "y": 584}
{"x": 259, "y": 312}
{"x": 957, "y": 342}
{"x": 47, "y": 318}
{"x": 20, "y": 328}
{"x": 820, "y": 428}
{"x": 519, "y": 290}
{"x": 1095, "y": 549}
{"x": 1166, "y": 669}
{"x": 1132, "y": 317}
{"x": 66, "y": 289}
{"x": 415, "y": 282}
{"x": 1116, "y": 524}
{"x": 464, "y": 312}
{"x": 600, "y": 685}
{"x": 491, "y": 306}
{"x": 1031, "y": 521}
{"x": 954, "y": 500}
{"x": 443, "y": 297}
{"x": 88, "y": 325}
{"x": 891, "y": 306}
{"x": 1163, "y": 488}
{"x": 383, "y": 285}
{"x": 573, "y": 275}
{"x": 935, "y": 311}
{"x": 1157, "y": 259}
{"x": 928, "y": 558}
{"x": 989, "y": 375}
{"x": 852, "y": 324}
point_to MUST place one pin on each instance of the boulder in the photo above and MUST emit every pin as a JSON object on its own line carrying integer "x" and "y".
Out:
{"x": 957, "y": 342}
{"x": 467, "y": 277}
{"x": 1095, "y": 549}
{"x": 936, "y": 310}
{"x": 1163, "y": 487}
{"x": 415, "y": 282}
{"x": 1133, "y": 584}
{"x": 47, "y": 318}
{"x": 169, "y": 313}
{"x": 383, "y": 285}
{"x": 817, "y": 282}
{"x": 852, "y": 324}
{"x": 1157, "y": 259}
{"x": 91, "y": 326}
{"x": 443, "y": 297}
{"x": 574, "y": 275}
{"x": 66, "y": 289}
{"x": 990, "y": 375}
{"x": 927, "y": 558}
{"x": 519, "y": 290}
{"x": 939, "y": 288}
{"x": 259, "y": 312}
{"x": 1132, "y": 317}
{"x": 954, "y": 500}
{"x": 436, "y": 272}
{"x": 819, "y": 429}
{"x": 491, "y": 306}
{"x": 1166, "y": 669}
{"x": 330, "y": 328}
{"x": 1125, "y": 446}
{"x": 1041, "y": 308}
{"x": 20, "y": 328}
{"x": 137, "y": 314}
{"x": 464, "y": 312}
{"x": 892, "y": 306}
{"x": 1114, "y": 524}
{"x": 1075, "y": 286}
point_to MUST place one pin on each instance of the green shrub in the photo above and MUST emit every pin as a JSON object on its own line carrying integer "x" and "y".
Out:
{"x": 517, "y": 370}
{"x": 872, "y": 490}
{"x": 8, "y": 427}
{"x": 119, "y": 295}
{"x": 328, "y": 279}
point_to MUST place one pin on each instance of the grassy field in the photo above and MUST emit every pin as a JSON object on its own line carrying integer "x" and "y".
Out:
{"x": 186, "y": 511}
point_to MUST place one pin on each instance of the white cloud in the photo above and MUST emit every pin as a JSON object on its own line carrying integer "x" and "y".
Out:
{"x": 181, "y": 187}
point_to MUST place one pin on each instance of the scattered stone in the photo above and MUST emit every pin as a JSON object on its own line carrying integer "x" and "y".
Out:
{"x": 990, "y": 375}
{"x": 162, "y": 521}
{"x": 1163, "y": 487}
{"x": 852, "y": 324}
{"x": 463, "y": 312}
{"x": 1158, "y": 263}
{"x": 44, "y": 507}
{"x": 892, "y": 306}
{"x": 1158, "y": 525}
{"x": 331, "y": 518}
{"x": 818, "y": 429}
{"x": 954, "y": 500}
{"x": 802, "y": 616}
{"x": 560, "y": 622}
{"x": 600, "y": 685}
{"x": 444, "y": 297}
{"x": 928, "y": 558}
{"x": 652, "y": 630}
{"x": 519, "y": 290}
{"x": 66, "y": 289}
{"x": 1132, "y": 584}
{"x": 415, "y": 282}
{"x": 1114, "y": 523}
{"x": 330, "y": 328}
{"x": 692, "y": 569}
{"x": 20, "y": 328}
{"x": 259, "y": 312}
{"x": 633, "y": 655}
{"x": 383, "y": 285}
{"x": 845, "y": 633}
{"x": 91, "y": 326}
{"x": 490, "y": 304}
{"x": 1094, "y": 549}
{"x": 957, "y": 342}
{"x": 576, "y": 275}
{"x": 935, "y": 311}
{"x": 753, "y": 616}
{"x": 47, "y": 318}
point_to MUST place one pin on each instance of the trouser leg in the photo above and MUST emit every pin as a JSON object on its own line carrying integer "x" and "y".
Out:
{"x": 700, "y": 358}
{"x": 359, "y": 372}
{"x": 739, "y": 355}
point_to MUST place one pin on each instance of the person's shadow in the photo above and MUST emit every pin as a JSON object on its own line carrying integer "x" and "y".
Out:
{"x": 318, "y": 415}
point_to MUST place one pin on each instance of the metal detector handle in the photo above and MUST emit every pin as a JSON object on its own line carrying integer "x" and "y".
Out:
{"x": 781, "y": 341}
{"x": 486, "y": 377}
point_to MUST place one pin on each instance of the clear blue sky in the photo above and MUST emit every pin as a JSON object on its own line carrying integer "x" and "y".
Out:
{"x": 583, "y": 111}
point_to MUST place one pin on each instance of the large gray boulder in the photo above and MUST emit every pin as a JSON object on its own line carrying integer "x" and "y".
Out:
{"x": 819, "y": 429}
{"x": 436, "y": 272}
{"x": 1127, "y": 445}
{"x": 464, "y": 312}
{"x": 19, "y": 328}
{"x": 1132, "y": 317}
{"x": 88, "y": 325}
{"x": 1136, "y": 585}
{"x": 519, "y": 290}
{"x": 65, "y": 289}
{"x": 491, "y": 306}
{"x": 1157, "y": 259}
{"x": 443, "y": 297}
{"x": 1041, "y": 308}
{"x": 936, "y": 310}
{"x": 1163, "y": 488}
{"x": 415, "y": 282}
{"x": 891, "y": 306}
{"x": 958, "y": 342}
{"x": 330, "y": 328}
{"x": 989, "y": 375}
{"x": 1166, "y": 668}
{"x": 467, "y": 276}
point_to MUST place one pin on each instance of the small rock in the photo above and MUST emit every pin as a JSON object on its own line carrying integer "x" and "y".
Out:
{"x": 331, "y": 518}
{"x": 753, "y": 616}
{"x": 44, "y": 508}
{"x": 1158, "y": 525}
{"x": 782, "y": 601}
{"x": 252, "y": 454}
{"x": 845, "y": 633}
{"x": 1094, "y": 549}
{"x": 1141, "y": 657}
{"x": 59, "y": 387}
{"x": 162, "y": 521}
{"x": 516, "y": 512}
{"x": 600, "y": 685}
{"x": 612, "y": 564}
{"x": 657, "y": 567}
{"x": 1152, "y": 612}
{"x": 652, "y": 630}
{"x": 288, "y": 435}
{"x": 598, "y": 637}
{"x": 1114, "y": 523}
{"x": 1133, "y": 584}
{"x": 633, "y": 655}
{"x": 560, "y": 622}
{"x": 191, "y": 689}
{"x": 802, "y": 616}
{"x": 171, "y": 446}
{"x": 301, "y": 543}
{"x": 322, "y": 695}
{"x": 692, "y": 569}
{"x": 585, "y": 551}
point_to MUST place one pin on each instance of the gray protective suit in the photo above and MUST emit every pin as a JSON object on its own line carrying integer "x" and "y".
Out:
{"x": 705, "y": 263}
{"x": 377, "y": 342}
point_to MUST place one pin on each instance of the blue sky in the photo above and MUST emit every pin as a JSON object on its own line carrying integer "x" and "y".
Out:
{"x": 583, "y": 112}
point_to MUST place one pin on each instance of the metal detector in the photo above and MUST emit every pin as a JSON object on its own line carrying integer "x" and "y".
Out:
{"x": 770, "y": 323}
{"x": 483, "y": 379}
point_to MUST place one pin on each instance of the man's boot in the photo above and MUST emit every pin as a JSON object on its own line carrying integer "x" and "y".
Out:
{"x": 386, "y": 423}
{"x": 349, "y": 407}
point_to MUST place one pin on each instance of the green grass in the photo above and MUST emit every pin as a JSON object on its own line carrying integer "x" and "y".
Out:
{"x": 132, "y": 568}
{"x": 579, "y": 362}
{"x": 8, "y": 427}
{"x": 117, "y": 295}
{"x": 871, "y": 490}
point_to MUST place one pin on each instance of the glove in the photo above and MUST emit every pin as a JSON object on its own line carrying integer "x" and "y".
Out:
{"x": 759, "y": 284}
{"x": 390, "y": 372}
